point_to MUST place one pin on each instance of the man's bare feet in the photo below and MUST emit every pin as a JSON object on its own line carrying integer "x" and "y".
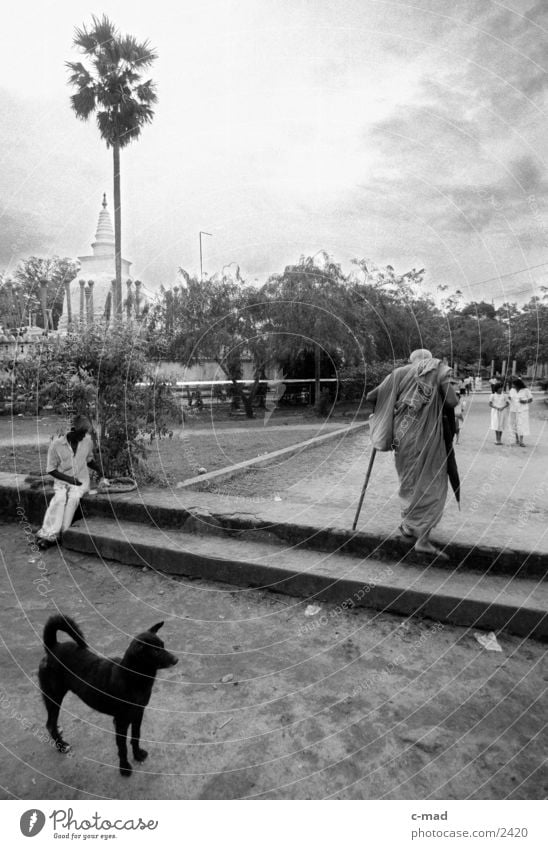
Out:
{"x": 424, "y": 546}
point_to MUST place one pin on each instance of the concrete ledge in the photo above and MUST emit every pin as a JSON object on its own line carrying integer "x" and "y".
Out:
{"x": 222, "y": 515}
{"x": 465, "y": 599}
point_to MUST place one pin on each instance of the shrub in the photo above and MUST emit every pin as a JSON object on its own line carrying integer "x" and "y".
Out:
{"x": 103, "y": 372}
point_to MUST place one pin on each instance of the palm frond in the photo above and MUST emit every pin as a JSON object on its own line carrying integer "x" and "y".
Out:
{"x": 84, "y": 40}
{"x": 146, "y": 92}
{"x": 130, "y": 122}
{"x": 83, "y": 102}
{"x": 93, "y": 40}
{"x": 79, "y": 72}
{"x": 104, "y": 30}
{"x": 111, "y": 53}
{"x": 130, "y": 76}
{"x": 108, "y": 127}
{"x": 137, "y": 53}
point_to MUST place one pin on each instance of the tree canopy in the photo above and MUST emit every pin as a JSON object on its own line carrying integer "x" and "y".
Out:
{"x": 313, "y": 310}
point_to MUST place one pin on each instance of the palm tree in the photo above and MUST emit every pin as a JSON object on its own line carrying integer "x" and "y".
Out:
{"x": 112, "y": 86}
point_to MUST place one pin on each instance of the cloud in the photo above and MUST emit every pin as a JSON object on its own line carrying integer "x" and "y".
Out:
{"x": 527, "y": 176}
{"x": 507, "y": 66}
{"x": 411, "y": 133}
{"x": 20, "y": 235}
{"x": 48, "y": 178}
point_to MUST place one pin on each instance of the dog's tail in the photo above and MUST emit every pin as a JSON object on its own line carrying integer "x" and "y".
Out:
{"x": 65, "y": 624}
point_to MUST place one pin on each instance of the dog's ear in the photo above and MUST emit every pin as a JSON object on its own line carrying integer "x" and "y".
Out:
{"x": 156, "y": 628}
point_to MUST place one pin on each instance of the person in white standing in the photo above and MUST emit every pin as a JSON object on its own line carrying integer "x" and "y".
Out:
{"x": 69, "y": 459}
{"x": 520, "y": 398}
{"x": 500, "y": 406}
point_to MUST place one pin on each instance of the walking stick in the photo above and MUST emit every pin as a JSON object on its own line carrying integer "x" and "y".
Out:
{"x": 366, "y": 481}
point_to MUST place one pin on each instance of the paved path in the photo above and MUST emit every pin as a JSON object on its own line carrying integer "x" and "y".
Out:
{"x": 504, "y": 501}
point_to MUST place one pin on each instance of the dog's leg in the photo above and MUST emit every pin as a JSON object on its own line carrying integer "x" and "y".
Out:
{"x": 138, "y": 753}
{"x": 53, "y": 694}
{"x": 121, "y": 725}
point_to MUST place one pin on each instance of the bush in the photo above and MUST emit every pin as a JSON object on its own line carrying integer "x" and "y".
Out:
{"x": 104, "y": 373}
{"x": 129, "y": 397}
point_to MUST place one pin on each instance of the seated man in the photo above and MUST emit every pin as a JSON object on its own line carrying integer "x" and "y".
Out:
{"x": 69, "y": 458}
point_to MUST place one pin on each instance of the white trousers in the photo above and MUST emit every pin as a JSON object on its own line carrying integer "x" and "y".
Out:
{"x": 61, "y": 509}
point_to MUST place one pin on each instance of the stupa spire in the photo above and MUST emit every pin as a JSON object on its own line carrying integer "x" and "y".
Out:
{"x": 104, "y": 236}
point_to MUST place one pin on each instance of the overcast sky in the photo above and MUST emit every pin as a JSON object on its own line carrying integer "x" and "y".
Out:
{"x": 407, "y": 133}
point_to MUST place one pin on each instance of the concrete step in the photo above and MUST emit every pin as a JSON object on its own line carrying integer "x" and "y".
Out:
{"x": 491, "y": 602}
{"x": 316, "y": 527}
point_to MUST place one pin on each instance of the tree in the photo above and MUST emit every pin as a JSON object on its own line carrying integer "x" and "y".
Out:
{"x": 310, "y": 308}
{"x": 111, "y": 85}
{"x": 38, "y": 286}
{"x": 38, "y": 277}
{"x": 476, "y": 341}
{"x": 216, "y": 319}
{"x": 479, "y": 309}
{"x": 529, "y": 333}
{"x": 398, "y": 317}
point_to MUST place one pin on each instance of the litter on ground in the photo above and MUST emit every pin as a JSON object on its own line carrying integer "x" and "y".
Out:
{"x": 488, "y": 641}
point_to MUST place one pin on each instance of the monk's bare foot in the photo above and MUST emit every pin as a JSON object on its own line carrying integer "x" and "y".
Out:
{"x": 426, "y": 547}
{"x": 406, "y": 532}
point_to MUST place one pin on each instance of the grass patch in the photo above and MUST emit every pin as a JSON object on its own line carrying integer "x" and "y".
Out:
{"x": 177, "y": 459}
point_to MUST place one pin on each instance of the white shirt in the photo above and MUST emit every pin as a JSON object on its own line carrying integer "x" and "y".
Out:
{"x": 516, "y": 397}
{"x": 61, "y": 457}
{"x": 499, "y": 400}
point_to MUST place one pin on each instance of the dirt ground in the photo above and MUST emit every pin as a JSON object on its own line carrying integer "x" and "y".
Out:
{"x": 266, "y": 702}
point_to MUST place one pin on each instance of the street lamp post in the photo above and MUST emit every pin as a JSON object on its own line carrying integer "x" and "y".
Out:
{"x": 202, "y": 233}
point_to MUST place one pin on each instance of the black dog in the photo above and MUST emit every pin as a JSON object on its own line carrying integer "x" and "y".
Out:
{"x": 120, "y": 687}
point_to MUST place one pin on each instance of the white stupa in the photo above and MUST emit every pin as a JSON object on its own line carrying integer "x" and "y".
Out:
{"x": 93, "y": 284}
{"x": 101, "y": 265}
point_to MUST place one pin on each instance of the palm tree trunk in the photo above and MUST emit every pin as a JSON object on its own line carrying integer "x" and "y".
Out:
{"x": 117, "y": 306}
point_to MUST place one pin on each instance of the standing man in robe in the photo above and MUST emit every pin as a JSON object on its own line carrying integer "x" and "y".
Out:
{"x": 408, "y": 419}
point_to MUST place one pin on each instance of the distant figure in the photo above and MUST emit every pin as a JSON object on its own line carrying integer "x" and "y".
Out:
{"x": 477, "y": 383}
{"x": 520, "y": 398}
{"x": 500, "y": 407}
{"x": 408, "y": 419}
{"x": 459, "y": 415}
{"x": 468, "y": 384}
{"x": 196, "y": 400}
